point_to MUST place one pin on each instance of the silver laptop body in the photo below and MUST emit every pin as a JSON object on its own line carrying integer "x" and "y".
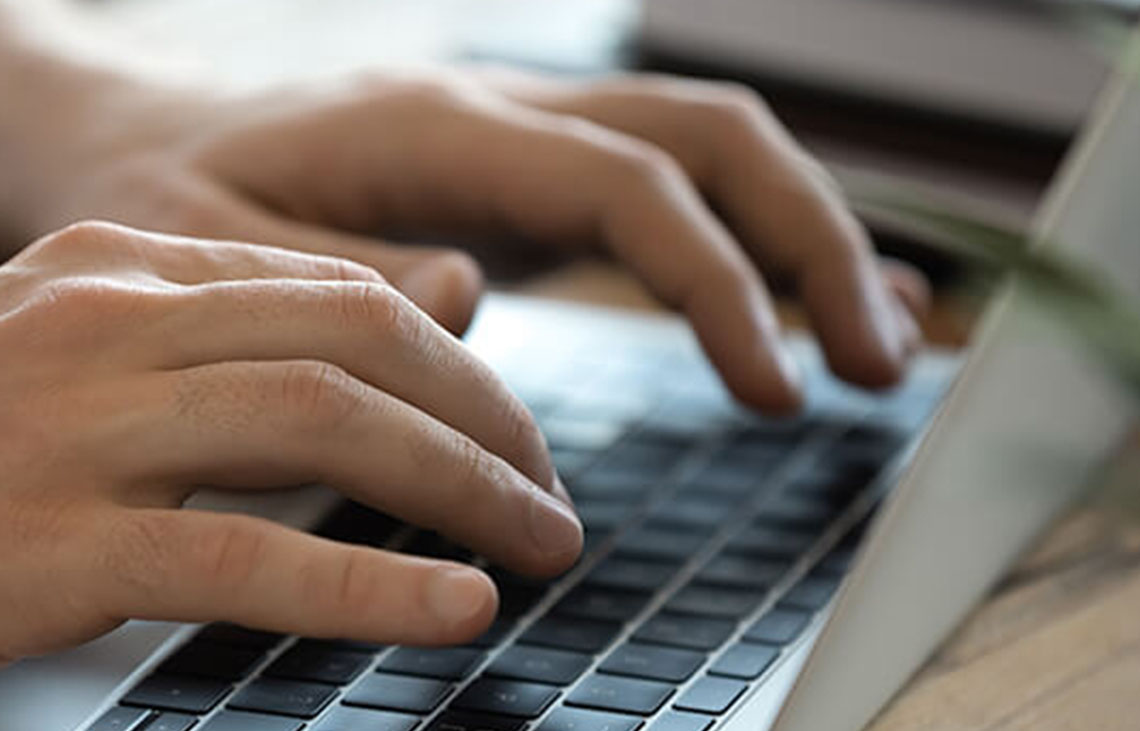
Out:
{"x": 1026, "y": 423}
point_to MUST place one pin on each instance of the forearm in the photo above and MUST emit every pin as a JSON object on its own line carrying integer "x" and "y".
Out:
{"x": 65, "y": 103}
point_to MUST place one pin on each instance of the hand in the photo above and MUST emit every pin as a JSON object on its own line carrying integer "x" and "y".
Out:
{"x": 138, "y": 367}
{"x": 636, "y": 164}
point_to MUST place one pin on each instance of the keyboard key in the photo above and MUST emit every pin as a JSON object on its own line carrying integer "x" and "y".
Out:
{"x": 714, "y": 601}
{"x": 838, "y": 562}
{"x": 625, "y": 695}
{"x": 595, "y": 603}
{"x": 318, "y": 662}
{"x": 568, "y": 633}
{"x": 238, "y": 721}
{"x": 600, "y": 516}
{"x": 745, "y": 661}
{"x": 778, "y": 626}
{"x": 505, "y": 697}
{"x": 121, "y": 719}
{"x": 576, "y": 719}
{"x": 178, "y": 693}
{"x": 346, "y": 718}
{"x": 652, "y": 662}
{"x": 660, "y": 543}
{"x": 679, "y": 721}
{"x": 799, "y": 512}
{"x": 517, "y": 594}
{"x": 397, "y": 693}
{"x": 172, "y": 722}
{"x": 742, "y": 572}
{"x": 680, "y": 630}
{"x": 557, "y": 667}
{"x": 495, "y": 634}
{"x": 461, "y": 721}
{"x": 351, "y": 522}
{"x": 764, "y": 541}
{"x": 810, "y": 592}
{"x": 631, "y": 575}
{"x": 446, "y": 663}
{"x": 686, "y": 514}
{"x": 212, "y": 660}
{"x": 286, "y": 697}
{"x": 711, "y": 695}
{"x": 231, "y": 634}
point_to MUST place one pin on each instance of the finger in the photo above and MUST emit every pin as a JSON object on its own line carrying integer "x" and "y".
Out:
{"x": 909, "y": 285}
{"x": 190, "y": 566}
{"x": 486, "y": 162}
{"x": 788, "y": 213}
{"x": 266, "y": 424}
{"x": 368, "y": 329}
{"x": 445, "y": 283}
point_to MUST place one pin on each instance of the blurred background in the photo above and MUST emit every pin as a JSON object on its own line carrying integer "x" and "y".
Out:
{"x": 971, "y": 101}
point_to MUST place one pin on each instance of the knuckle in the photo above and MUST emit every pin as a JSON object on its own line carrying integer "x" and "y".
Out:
{"x": 80, "y": 300}
{"x": 644, "y": 164}
{"x": 137, "y": 553}
{"x": 318, "y": 396}
{"x": 227, "y": 553}
{"x": 80, "y": 237}
{"x": 355, "y": 586}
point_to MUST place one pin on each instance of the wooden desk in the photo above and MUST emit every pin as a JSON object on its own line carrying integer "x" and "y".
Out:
{"x": 1056, "y": 645}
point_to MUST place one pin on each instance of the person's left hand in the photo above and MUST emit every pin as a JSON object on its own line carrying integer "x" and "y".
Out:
{"x": 636, "y": 164}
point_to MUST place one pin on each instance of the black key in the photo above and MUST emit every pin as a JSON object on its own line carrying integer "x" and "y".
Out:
{"x": 742, "y": 572}
{"x": 603, "y": 482}
{"x": 595, "y": 603}
{"x": 517, "y": 594}
{"x": 238, "y": 721}
{"x": 568, "y": 633}
{"x": 461, "y": 721}
{"x": 680, "y": 630}
{"x": 714, "y": 601}
{"x": 599, "y": 516}
{"x": 318, "y": 662}
{"x": 346, "y": 718}
{"x": 799, "y": 512}
{"x": 498, "y": 630}
{"x": 778, "y": 627}
{"x": 771, "y": 542}
{"x": 398, "y": 693}
{"x": 121, "y": 719}
{"x": 679, "y": 721}
{"x": 432, "y": 545}
{"x": 660, "y": 543}
{"x": 711, "y": 695}
{"x": 745, "y": 661}
{"x": 446, "y": 663}
{"x": 625, "y": 695}
{"x": 690, "y": 514}
{"x": 505, "y": 697}
{"x": 576, "y": 719}
{"x": 211, "y": 660}
{"x": 178, "y": 693}
{"x": 231, "y": 634}
{"x": 343, "y": 645}
{"x": 557, "y": 667}
{"x": 172, "y": 722}
{"x": 631, "y": 575}
{"x": 286, "y": 697}
{"x": 652, "y": 662}
{"x": 838, "y": 562}
{"x": 810, "y": 592}
{"x": 351, "y": 522}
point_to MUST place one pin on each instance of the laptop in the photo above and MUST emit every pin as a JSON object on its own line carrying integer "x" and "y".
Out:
{"x": 739, "y": 572}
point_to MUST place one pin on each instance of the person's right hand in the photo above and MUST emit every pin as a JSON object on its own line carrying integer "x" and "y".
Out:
{"x": 136, "y": 367}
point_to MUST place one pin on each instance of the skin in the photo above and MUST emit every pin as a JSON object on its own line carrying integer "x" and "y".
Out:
{"x": 270, "y": 335}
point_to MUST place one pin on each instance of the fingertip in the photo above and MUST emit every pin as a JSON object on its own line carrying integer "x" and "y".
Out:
{"x": 447, "y": 286}
{"x": 463, "y": 601}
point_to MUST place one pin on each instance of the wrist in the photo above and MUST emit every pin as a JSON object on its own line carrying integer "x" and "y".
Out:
{"x": 68, "y": 108}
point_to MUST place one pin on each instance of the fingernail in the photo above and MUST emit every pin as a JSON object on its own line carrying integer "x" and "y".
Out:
{"x": 553, "y": 526}
{"x": 457, "y": 594}
{"x": 562, "y": 493}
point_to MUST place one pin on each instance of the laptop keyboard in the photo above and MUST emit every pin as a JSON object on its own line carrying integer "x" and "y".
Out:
{"x": 715, "y": 539}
